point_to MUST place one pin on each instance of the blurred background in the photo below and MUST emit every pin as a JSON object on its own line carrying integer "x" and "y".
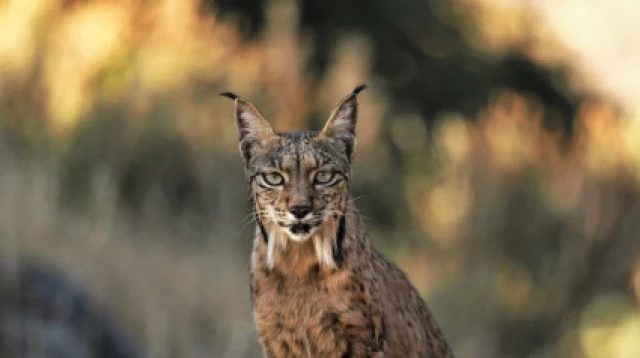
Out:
{"x": 498, "y": 160}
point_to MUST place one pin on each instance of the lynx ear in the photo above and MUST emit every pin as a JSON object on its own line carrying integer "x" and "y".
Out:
{"x": 342, "y": 121}
{"x": 250, "y": 123}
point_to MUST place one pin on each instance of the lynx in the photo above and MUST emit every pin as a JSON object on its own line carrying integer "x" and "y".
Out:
{"x": 318, "y": 287}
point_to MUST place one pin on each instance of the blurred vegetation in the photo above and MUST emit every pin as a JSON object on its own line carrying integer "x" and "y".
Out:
{"x": 498, "y": 159}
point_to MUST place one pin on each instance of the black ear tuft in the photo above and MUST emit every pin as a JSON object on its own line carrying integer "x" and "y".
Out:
{"x": 360, "y": 88}
{"x": 230, "y": 95}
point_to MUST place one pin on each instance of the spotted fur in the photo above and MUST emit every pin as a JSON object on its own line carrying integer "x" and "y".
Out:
{"x": 318, "y": 287}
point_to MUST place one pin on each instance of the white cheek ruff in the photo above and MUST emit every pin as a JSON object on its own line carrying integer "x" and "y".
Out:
{"x": 324, "y": 243}
{"x": 271, "y": 249}
{"x": 277, "y": 242}
{"x": 324, "y": 250}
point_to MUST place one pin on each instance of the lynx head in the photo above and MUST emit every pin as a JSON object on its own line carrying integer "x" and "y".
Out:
{"x": 299, "y": 182}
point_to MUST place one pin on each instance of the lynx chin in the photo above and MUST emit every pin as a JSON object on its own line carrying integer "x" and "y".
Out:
{"x": 318, "y": 287}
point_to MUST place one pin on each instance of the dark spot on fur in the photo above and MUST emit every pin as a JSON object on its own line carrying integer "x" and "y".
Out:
{"x": 337, "y": 252}
{"x": 348, "y": 144}
{"x": 348, "y": 352}
{"x": 263, "y": 231}
{"x": 245, "y": 150}
{"x": 314, "y": 272}
{"x": 335, "y": 320}
{"x": 361, "y": 302}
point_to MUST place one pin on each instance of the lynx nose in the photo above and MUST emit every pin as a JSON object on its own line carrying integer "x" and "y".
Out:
{"x": 300, "y": 211}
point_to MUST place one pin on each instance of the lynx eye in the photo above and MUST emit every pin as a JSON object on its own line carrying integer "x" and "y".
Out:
{"x": 273, "y": 179}
{"x": 323, "y": 177}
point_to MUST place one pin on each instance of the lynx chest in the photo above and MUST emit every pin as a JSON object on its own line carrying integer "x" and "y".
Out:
{"x": 314, "y": 315}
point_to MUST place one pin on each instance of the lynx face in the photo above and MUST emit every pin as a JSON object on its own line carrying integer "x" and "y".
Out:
{"x": 299, "y": 182}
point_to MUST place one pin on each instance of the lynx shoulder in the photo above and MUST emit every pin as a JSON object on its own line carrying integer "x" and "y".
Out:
{"x": 318, "y": 287}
